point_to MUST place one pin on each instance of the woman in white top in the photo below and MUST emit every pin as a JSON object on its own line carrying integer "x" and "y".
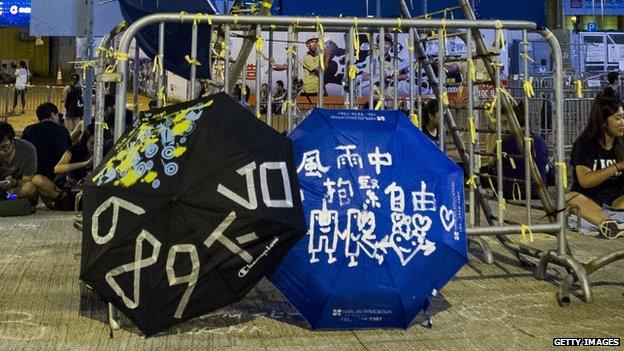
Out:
{"x": 22, "y": 77}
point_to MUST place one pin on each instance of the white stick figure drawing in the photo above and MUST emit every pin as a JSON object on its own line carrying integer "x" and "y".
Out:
{"x": 324, "y": 233}
{"x": 360, "y": 235}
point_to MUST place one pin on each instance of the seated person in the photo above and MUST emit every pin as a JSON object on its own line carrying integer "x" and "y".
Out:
{"x": 71, "y": 170}
{"x": 49, "y": 137}
{"x": 18, "y": 165}
{"x": 513, "y": 164}
{"x": 597, "y": 164}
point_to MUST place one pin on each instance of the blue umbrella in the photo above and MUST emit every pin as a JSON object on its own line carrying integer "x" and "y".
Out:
{"x": 385, "y": 214}
{"x": 177, "y": 35}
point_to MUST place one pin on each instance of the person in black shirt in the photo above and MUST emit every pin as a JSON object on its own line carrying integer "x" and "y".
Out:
{"x": 49, "y": 138}
{"x": 431, "y": 120}
{"x": 598, "y": 162}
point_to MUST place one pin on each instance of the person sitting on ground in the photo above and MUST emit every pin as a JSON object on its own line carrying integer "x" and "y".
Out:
{"x": 18, "y": 165}
{"x": 49, "y": 138}
{"x": 513, "y": 164}
{"x": 71, "y": 170}
{"x": 73, "y": 102}
{"x": 597, "y": 164}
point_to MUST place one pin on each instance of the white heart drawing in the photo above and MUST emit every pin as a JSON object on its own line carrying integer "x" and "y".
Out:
{"x": 447, "y": 217}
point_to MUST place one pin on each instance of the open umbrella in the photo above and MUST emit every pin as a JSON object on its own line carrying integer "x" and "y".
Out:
{"x": 188, "y": 212}
{"x": 385, "y": 213}
{"x": 177, "y": 35}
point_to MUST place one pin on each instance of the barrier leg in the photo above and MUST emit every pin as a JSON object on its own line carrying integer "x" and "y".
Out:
{"x": 488, "y": 257}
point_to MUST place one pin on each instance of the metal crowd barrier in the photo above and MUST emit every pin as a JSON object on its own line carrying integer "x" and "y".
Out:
{"x": 496, "y": 226}
{"x": 35, "y": 96}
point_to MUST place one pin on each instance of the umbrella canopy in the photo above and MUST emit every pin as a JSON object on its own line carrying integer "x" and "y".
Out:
{"x": 177, "y": 36}
{"x": 189, "y": 211}
{"x": 385, "y": 213}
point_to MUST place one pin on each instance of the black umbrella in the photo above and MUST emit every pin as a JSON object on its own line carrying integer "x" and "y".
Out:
{"x": 189, "y": 211}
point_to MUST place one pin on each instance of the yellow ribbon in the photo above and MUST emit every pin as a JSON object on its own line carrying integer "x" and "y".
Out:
{"x": 472, "y": 181}
{"x": 321, "y": 31}
{"x": 564, "y": 173}
{"x": 524, "y": 229}
{"x": 380, "y": 104}
{"x": 259, "y": 44}
{"x": 121, "y": 56}
{"x": 102, "y": 124}
{"x": 512, "y": 162}
{"x": 527, "y": 57}
{"x": 192, "y": 61}
{"x": 120, "y": 27}
{"x": 266, "y": 4}
{"x": 235, "y": 19}
{"x": 445, "y": 98}
{"x": 399, "y": 25}
{"x": 578, "y": 88}
{"x": 158, "y": 68}
{"x": 444, "y": 30}
{"x": 85, "y": 66}
{"x": 502, "y": 200}
{"x": 472, "y": 70}
{"x": 356, "y": 42}
{"x": 473, "y": 130}
{"x": 291, "y": 50}
{"x": 161, "y": 96}
{"x": 528, "y": 89}
{"x": 258, "y": 115}
{"x": 352, "y": 72}
{"x": 499, "y": 37}
{"x": 181, "y": 15}
{"x": 499, "y": 149}
{"x": 415, "y": 119}
{"x": 107, "y": 52}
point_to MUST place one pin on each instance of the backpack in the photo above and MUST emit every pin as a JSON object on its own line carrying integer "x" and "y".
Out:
{"x": 74, "y": 106}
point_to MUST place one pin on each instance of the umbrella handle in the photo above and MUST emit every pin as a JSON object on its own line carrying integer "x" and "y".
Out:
{"x": 112, "y": 323}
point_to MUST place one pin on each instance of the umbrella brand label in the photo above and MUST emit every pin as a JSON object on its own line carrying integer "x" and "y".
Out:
{"x": 243, "y": 271}
{"x": 361, "y": 315}
{"x": 361, "y": 235}
{"x": 359, "y": 116}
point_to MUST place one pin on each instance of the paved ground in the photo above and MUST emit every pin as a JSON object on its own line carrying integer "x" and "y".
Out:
{"x": 486, "y": 307}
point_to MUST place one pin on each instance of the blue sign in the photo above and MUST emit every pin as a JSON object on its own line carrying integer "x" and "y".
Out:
{"x": 592, "y": 27}
{"x": 385, "y": 214}
{"x": 15, "y": 13}
{"x": 593, "y": 7}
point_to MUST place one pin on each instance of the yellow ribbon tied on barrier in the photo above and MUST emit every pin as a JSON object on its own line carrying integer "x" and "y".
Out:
{"x": 473, "y": 130}
{"x": 352, "y": 72}
{"x": 102, "y": 124}
{"x": 528, "y": 89}
{"x": 321, "y": 32}
{"x": 120, "y": 56}
{"x": 356, "y": 40}
{"x": 499, "y": 40}
{"x": 578, "y": 88}
{"x": 414, "y": 118}
{"x": 120, "y": 27}
{"x": 158, "y": 68}
{"x": 472, "y": 70}
{"x": 524, "y": 229}
{"x": 445, "y": 98}
{"x": 192, "y": 61}
{"x": 563, "y": 170}
{"x": 266, "y": 4}
{"x": 181, "y": 15}
{"x": 161, "y": 96}
{"x": 259, "y": 44}
{"x": 380, "y": 104}
{"x": 398, "y": 28}
{"x": 502, "y": 203}
{"x": 472, "y": 182}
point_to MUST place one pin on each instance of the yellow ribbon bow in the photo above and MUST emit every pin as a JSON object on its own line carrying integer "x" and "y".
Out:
{"x": 192, "y": 61}
{"x": 578, "y": 88}
{"x": 525, "y": 229}
{"x": 528, "y": 89}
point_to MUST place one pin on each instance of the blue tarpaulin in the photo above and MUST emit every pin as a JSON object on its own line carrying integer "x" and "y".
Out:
{"x": 385, "y": 214}
{"x": 526, "y": 10}
{"x": 177, "y": 36}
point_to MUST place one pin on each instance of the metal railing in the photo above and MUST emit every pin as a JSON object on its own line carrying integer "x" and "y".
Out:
{"x": 35, "y": 96}
{"x": 496, "y": 225}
